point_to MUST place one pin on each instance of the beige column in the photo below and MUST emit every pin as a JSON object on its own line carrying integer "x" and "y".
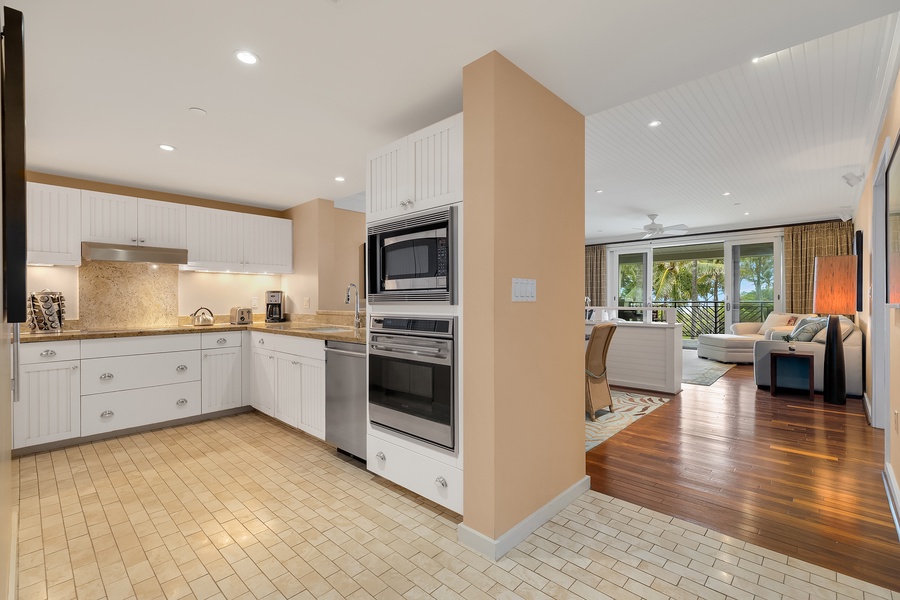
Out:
{"x": 523, "y": 381}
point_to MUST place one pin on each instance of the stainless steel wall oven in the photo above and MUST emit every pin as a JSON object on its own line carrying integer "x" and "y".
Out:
{"x": 412, "y": 377}
{"x": 413, "y": 259}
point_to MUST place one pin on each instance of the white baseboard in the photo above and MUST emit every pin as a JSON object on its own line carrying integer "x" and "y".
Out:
{"x": 495, "y": 549}
{"x": 893, "y": 493}
{"x": 14, "y": 555}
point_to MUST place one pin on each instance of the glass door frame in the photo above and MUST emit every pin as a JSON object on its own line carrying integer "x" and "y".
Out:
{"x": 612, "y": 275}
{"x": 732, "y": 308}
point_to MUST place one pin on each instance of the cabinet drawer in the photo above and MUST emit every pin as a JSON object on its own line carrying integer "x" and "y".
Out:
{"x": 100, "y": 375}
{"x": 42, "y": 352}
{"x": 416, "y": 473}
{"x": 263, "y": 341}
{"x": 222, "y": 339}
{"x": 139, "y": 345}
{"x": 299, "y": 346}
{"x": 132, "y": 408}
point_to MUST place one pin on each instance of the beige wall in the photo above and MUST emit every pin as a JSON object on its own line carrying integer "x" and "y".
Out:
{"x": 326, "y": 255}
{"x": 863, "y": 221}
{"x": 523, "y": 217}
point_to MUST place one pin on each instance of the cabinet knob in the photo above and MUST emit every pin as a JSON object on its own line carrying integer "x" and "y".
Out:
{"x": 221, "y": 341}
{"x": 46, "y": 353}
{"x": 133, "y": 239}
{"x": 106, "y": 413}
{"x": 271, "y": 358}
{"x": 206, "y": 356}
{"x": 440, "y": 482}
{"x": 380, "y": 456}
{"x": 294, "y": 362}
{"x": 181, "y": 368}
{"x": 74, "y": 367}
{"x": 262, "y": 342}
{"x": 181, "y": 401}
{"x": 142, "y": 240}
{"x": 106, "y": 376}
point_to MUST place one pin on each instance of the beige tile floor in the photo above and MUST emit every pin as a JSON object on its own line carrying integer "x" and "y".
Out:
{"x": 244, "y": 507}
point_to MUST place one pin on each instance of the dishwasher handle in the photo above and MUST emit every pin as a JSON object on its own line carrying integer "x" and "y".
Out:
{"x": 346, "y": 353}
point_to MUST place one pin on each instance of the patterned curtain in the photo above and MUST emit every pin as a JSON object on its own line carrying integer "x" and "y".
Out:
{"x": 802, "y": 244}
{"x": 595, "y": 274}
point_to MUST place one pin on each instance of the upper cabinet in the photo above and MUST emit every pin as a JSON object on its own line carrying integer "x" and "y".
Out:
{"x": 221, "y": 240}
{"x": 54, "y": 224}
{"x": 420, "y": 171}
{"x": 114, "y": 219}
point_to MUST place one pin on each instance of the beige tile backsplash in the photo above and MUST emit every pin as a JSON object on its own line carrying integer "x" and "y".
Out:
{"x": 113, "y": 295}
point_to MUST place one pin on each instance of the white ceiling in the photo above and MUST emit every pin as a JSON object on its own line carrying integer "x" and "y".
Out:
{"x": 107, "y": 81}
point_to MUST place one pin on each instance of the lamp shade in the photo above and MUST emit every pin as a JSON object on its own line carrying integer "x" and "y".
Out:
{"x": 834, "y": 291}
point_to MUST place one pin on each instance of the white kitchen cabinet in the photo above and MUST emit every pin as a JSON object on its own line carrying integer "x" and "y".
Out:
{"x": 221, "y": 379}
{"x": 262, "y": 389}
{"x": 115, "y": 219}
{"x": 53, "y": 224}
{"x": 420, "y": 171}
{"x": 116, "y": 373}
{"x": 221, "y": 240}
{"x": 48, "y": 408}
{"x": 268, "y": 246}
{"x": 311, "y": 418}
{"x": 288, "y": 388}
{"x": 103, "y": 413}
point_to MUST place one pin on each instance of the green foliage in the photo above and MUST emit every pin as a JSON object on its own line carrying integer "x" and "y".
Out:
{"x": 688, "y": 280}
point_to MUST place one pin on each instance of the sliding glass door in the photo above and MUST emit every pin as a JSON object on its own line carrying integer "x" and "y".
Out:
{"x": 753, "y": 280}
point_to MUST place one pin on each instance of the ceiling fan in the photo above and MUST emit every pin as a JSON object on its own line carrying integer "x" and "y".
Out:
{"x": 653, "y": 228}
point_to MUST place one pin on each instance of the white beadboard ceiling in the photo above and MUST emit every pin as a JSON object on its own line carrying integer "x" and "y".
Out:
{"x": 107, "y": 81}
{"x": 776, "y": 135}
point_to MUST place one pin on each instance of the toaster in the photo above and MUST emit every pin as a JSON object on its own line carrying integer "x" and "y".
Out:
{"x": 241, "y": 316}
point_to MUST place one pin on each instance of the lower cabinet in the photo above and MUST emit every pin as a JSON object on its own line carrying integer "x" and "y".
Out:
{"x": 291, "y": 387}
{"x": 48, "y": 408}
{"x": 421, "y": 474}
{"x": 220, "y": 370}
{"x": 101, "y": 413}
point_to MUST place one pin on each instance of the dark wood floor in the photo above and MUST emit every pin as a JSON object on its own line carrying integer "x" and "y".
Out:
{"x": 800, "y": 478}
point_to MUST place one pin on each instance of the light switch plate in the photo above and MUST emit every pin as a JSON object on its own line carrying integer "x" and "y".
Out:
{"x": 306, "y": 303}
{"x": 254, "y": 302}
{"x": 524, "y": 290}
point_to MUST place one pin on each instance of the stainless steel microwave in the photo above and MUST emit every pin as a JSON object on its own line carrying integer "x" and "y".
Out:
{"x": 413, "y": 259}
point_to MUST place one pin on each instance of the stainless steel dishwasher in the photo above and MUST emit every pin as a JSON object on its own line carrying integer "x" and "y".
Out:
{"x": 345, "y": 397}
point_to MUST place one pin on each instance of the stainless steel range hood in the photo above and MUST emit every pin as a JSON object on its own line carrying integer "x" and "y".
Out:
{"x": 138, "y": 254}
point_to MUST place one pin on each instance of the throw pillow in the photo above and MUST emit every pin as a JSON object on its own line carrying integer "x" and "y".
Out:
{"x": 847, "y": 328}
{"x": 775, "y": 319}
{"x": 791, "y": 321}
{"x": 806, "y": 329}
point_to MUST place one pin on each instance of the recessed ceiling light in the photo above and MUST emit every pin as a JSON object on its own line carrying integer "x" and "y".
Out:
{"x": 726, "y": 193}
{"x": 339, "y": 178}
{"x": 167, "y": 147}
{"x": 246, "y": 57}
{"x": 755, "y": 59}
{"x": 746, "y": 213}
{"x": 598, "y": 191}
{"x": 654, "y": 123}
{"x": 197, "y": 111}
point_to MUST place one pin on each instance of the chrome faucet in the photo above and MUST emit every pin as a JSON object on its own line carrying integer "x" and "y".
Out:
{"x": 356, "y": 322}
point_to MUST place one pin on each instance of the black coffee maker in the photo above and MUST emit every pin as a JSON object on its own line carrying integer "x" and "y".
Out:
{"x": 275, "y": 306}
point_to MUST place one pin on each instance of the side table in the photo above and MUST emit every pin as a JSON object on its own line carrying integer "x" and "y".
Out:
{"x": 777, "y": 355}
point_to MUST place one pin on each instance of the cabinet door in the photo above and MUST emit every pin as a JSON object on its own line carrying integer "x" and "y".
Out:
{"x": 288, "y": 388}
{"x": 54, "y": 224}
{"x": 49, "y": 406}
{"x": 312, "y": 397}
{"x": 215, "y": 239}
{"x": 221, "y": 379}
{"x": 386, "y": 186}
{"x": 161, "y": 224}
{"x": 268, "y": 245}
{"x": 108, "y": 218}
{"x": 434, "y": 156}
{"x": 262, "y": 396}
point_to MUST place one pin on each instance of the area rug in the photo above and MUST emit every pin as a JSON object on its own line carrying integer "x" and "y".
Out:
{"x": 627, "y": 408}
{"x": 701, "y": 371}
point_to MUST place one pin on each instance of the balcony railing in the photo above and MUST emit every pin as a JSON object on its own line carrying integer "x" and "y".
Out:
{"x": 702, "y": 316}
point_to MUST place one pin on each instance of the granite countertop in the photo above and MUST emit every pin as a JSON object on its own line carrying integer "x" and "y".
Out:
{"x": 337, "y": 333}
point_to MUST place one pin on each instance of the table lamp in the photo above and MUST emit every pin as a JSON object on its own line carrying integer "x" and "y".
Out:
{"x": 834, "y": 294}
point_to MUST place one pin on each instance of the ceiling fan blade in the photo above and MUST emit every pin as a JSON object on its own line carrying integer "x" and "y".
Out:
{"x": 646, "y": 235}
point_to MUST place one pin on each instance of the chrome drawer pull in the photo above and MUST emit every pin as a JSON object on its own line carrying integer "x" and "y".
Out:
{"x": 106, "y": 413}
{"x": 294, "y": 362}
{"x": 181, "y": 368}
{"x": 106, "y": 376}
{"x": 181, "y": 401}
{"x": 48, "y": 353}
{"x": 440, "y": 482}
{"x": 221, "y": 341}
{"x": 263, "y": 342}
{"x": 74, "y": 367}
{"x": 380, "y": 456}
{"x": 206, "y": 356}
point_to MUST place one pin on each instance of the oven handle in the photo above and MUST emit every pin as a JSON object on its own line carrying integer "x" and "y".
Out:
{"x": 430, "y": 356}
{"x": 410, "y": 349}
